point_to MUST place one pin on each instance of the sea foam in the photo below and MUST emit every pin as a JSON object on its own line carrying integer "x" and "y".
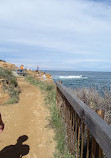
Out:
{"x": 71, "y": 77}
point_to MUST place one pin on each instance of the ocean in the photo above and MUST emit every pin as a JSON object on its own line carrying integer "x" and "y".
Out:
{"x": 83, "y": 79}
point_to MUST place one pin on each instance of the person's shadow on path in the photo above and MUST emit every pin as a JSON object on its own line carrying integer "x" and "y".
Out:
{"x": 16, "y": 151}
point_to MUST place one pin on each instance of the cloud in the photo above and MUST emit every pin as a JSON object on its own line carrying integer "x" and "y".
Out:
{"x": 85, "y": 60}
{"x": 56, "y": 31}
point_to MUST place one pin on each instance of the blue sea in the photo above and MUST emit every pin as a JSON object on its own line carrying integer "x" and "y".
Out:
{"x": 83, "y": 79}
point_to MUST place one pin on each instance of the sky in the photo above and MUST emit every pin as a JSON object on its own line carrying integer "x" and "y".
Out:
{"x": 72, "y": 35}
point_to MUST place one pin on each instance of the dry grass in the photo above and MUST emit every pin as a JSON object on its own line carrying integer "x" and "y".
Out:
{"x": 94, "y": 100}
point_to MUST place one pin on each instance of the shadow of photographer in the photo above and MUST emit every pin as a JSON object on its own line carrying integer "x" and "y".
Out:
{"x": 16, "y": 151}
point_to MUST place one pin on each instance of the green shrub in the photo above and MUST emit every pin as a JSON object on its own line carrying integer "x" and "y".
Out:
{"x": 11, "y": 86}
{"x": 12, "y": 100}
{"x": 13, "y": 92}
{"x": 13, "y": 81}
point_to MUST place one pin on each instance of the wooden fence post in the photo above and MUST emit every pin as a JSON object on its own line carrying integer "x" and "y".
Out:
{"x": 100, "y": 112}
{"x": 99, "y": 152}
{"x": 97, "y": 130}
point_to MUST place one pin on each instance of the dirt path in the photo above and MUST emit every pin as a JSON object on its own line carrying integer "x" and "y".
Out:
{"x": 28, "y": 117}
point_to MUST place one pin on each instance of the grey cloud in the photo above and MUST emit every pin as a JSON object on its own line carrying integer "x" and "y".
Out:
{"x": 70, "y": 26}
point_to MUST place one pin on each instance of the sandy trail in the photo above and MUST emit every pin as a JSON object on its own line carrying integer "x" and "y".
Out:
{"x": 28, "y": 117}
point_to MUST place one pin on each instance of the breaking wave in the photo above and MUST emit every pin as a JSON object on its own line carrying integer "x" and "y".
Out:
{"x": 71, "y": 77}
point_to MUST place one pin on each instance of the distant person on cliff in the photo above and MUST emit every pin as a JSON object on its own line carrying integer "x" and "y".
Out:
{"x": 1, "y": 124}
{"x": 44, "y": 76}
{"x": 38, "y": 74}
{"x": 37, "y": 68}
{"x": 21, "y": 68}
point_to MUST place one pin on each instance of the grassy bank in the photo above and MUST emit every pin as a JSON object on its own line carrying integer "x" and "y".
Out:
{"x": 10, "y": 85}
{"x": 56, "y": 122}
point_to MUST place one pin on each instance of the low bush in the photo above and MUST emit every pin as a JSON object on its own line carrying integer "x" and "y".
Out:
{"x": 6, "y": 74}
{"x": 11, "y": 85}
{"x": 12, "y": 100}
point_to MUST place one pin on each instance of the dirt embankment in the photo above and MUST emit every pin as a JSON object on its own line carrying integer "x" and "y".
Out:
{"x": 28, "y": 117}
{"x": 8, "y": 66}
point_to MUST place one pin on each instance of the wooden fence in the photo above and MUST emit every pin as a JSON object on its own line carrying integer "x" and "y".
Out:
{"x": 21, "y": 72}
{"x": 87, "y": 134}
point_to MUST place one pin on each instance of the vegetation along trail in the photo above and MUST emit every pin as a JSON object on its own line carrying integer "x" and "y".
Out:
{"x": 28, "y": 119}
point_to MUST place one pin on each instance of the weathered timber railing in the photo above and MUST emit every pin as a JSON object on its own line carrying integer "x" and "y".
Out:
{"x": 88, "y": 135}
{"x": 21, "y": 72}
